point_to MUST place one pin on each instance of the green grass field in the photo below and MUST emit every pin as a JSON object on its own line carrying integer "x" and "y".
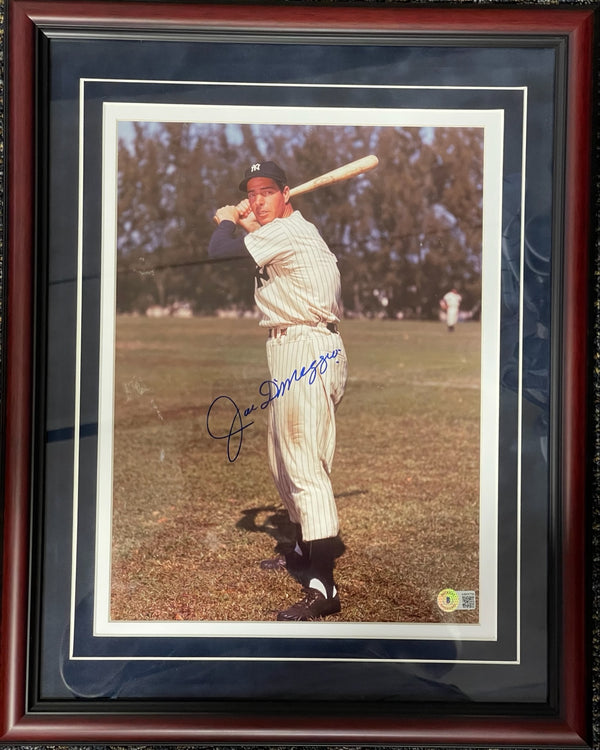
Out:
{"x": 189, "y": 527}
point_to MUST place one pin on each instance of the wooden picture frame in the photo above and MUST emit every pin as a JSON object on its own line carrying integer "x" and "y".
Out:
{"x": 29, "y": 710}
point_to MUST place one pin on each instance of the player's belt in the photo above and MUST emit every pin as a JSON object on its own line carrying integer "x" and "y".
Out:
{"x": 276, "y": 332}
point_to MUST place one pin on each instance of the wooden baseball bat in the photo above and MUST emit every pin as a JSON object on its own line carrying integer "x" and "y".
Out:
{"x": 352, "y": 169}
{"x": 345, "y": 172}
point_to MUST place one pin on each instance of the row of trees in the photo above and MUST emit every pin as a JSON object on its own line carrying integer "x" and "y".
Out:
{"x": 404, "y": 233}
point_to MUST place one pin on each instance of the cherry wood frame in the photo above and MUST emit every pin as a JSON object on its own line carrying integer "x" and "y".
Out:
{"x": 571, "y": 727}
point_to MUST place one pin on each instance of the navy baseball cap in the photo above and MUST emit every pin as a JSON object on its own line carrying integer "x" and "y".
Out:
{"x": 264, "y": 169}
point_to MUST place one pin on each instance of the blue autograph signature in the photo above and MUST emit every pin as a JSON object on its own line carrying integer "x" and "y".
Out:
{"x": 235, "y": 435}
{"x": 227, "y": 409}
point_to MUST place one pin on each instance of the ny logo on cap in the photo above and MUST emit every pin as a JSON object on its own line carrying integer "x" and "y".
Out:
{"x": 255, "y": 168}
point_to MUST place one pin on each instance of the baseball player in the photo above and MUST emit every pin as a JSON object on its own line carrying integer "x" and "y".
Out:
{"x": 297, "y": 291}
{"x": 450, "y": 302}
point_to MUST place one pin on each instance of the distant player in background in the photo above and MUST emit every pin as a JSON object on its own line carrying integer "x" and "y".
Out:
{"x": 450, "y": 303}
{"x": 298, "y": 292}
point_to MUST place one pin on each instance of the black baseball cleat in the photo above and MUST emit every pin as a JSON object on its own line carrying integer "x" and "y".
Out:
{"x": 311, "y": 607}
{"x": 274, "y": 563}
{"x": 290, "y": 561}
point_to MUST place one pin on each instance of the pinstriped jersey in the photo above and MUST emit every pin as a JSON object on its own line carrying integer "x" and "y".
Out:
{"x": 297, "y": 279}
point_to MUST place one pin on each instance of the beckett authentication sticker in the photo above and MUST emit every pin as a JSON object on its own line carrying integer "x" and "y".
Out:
{"x": 450, "y": 600}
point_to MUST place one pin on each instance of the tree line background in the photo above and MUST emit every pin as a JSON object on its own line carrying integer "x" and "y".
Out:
{"x": 404, "y": 233}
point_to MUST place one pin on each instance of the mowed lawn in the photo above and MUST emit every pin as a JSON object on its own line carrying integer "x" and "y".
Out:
{"x": 190, "y": 526}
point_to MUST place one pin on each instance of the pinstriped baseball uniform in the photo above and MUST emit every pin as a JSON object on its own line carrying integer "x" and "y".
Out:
{"x": 298, "y": 292}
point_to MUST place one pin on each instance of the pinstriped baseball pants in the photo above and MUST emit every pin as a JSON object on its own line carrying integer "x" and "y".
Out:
{"x": 308, "y": 370}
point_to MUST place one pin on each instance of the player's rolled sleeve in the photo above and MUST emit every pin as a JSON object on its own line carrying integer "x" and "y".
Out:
{"x": 268, "y": 243}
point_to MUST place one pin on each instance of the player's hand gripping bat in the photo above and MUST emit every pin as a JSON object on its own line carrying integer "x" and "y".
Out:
{"x": 345, "y": 172}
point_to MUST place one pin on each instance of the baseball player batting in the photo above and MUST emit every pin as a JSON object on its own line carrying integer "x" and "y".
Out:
{"x": 297, "y": 291}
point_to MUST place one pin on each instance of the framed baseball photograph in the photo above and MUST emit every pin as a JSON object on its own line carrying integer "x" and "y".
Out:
{"x": 296, "y": 314}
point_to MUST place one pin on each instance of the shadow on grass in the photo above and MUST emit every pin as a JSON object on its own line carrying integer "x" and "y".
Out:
{"x": 351, "y": 493}
{"x": 275, "y": 524}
